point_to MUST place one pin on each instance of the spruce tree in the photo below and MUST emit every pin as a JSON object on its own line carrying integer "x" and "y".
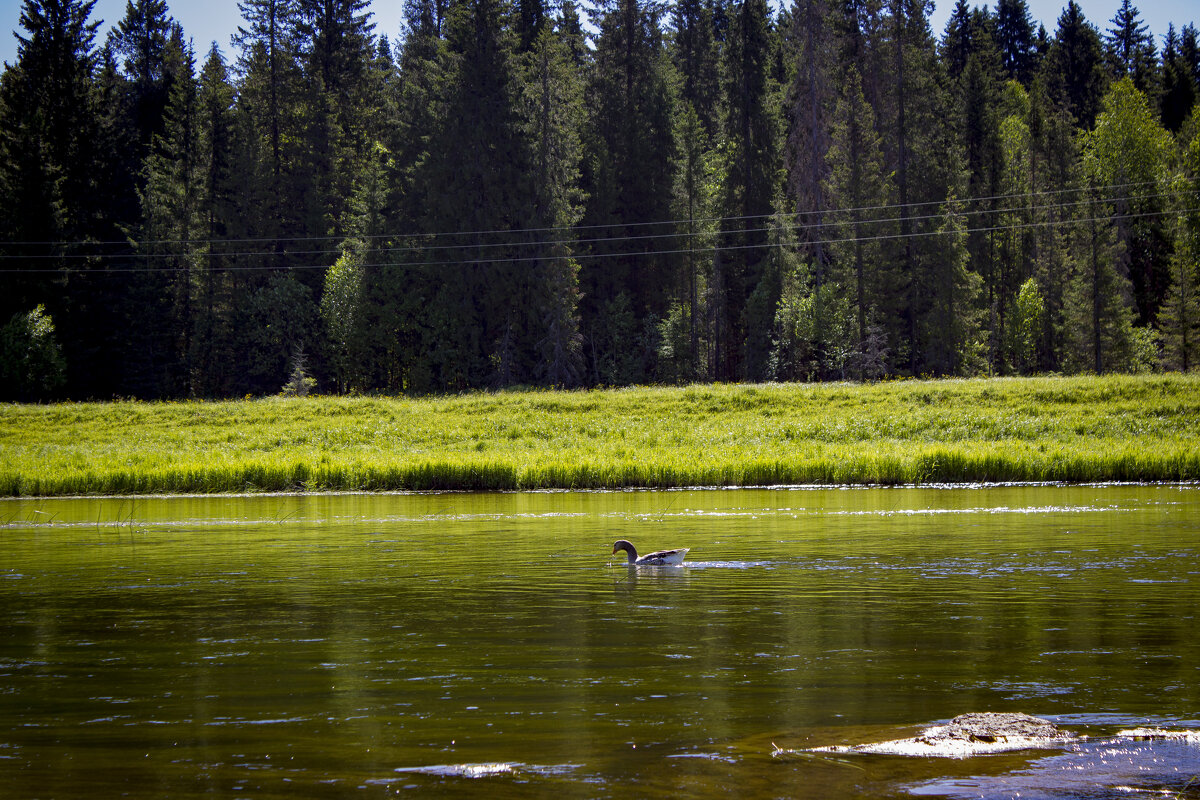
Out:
{"x": 268, "y": 43}
{"x": 958, "y": 39}
{"x": 627, "y": 176}
{"x": 49, "y": 126}
{"x": 685, "y": 351}
{"x": 1055, "y": 181}
{"x": 696, "y": 57}
{"x": 752, "y": 129}
{"x": 336, "y": 47}
{"x": 1015, "y": 242}
{"x": 1131, "y": 51}
{"x": 860, "y": 188}
{"x": 477, "y": 162}
{"x": 1179, "y": 86}
{"x": 269, "y": 88}
{"x": 215, "y": 164}
{"x": 140, "y": 40}
{"x": 928, "y": 165}
{"x": 1015, "y": 39}
{"x": 157, "y": 341}
{"x": 552, "y": 116}
{"x": 1074, "y": 70}
{"x": 1098, "y": 305}
{"x": 810, "y": 102}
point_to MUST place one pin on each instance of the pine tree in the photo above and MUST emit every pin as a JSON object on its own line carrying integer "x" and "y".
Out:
{"x": 269, "y": 89}
{"x": 49, "y": 126}
{"x": 1015, "y": 39}
{"x": 627, "y": 176}
{"x": 1179, "y": 315}
{"x": 1179, "y": 86}
{"x": 696, "y": 58}
{"x": 1130, "y": 49}
{"x": 750, "y": 192}
{"x": 216, "y": 133}
{"x": 336, "y": 46}
{"x": 1073, "y": 69}
{"x": 552, "y": 117}
{"x": 477, "y": 162}
{"x": 859, "y": 186}
{"x": 810, "y": 102}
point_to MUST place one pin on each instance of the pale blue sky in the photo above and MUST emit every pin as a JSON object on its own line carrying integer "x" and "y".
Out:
{"x": 203, "y": 21}
{"x": 206, "y": 21}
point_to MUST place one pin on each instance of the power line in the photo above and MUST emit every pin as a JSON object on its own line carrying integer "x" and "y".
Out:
{"x": 953, "y": 202}
{"x": 837, "y": 217}
{"x": 579, "y": 257}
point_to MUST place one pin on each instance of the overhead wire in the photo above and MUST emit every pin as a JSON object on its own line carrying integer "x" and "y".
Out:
{"x": 592, "y": 257}
{"x": 509, "y": 232}
{"x": 588, "y": 241}
{"x": 953, "y": 206}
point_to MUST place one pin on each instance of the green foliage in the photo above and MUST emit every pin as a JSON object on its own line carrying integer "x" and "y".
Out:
{"x": 31, "y": 362}
{"x": 345, "y": 315}
{"x": 1130, "y": 151}
{"x": 1025, "y": 327}
{"x": 813, "y": 328}
{"x": 1179, "y": 317}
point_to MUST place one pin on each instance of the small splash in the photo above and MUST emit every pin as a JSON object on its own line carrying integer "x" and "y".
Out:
{"x": 464, "y": 770}
{"x": 1142, "y": 734}
{"x": 488, "y": 770}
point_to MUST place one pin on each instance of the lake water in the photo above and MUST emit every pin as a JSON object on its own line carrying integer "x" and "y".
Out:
{"x": 489, "y": 645}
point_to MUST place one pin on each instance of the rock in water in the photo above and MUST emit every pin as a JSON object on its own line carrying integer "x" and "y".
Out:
{"x": 990, "y": 727}
{"x": 969, "y": 735}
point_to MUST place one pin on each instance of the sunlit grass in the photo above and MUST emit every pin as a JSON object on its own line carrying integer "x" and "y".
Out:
{"x": 1038, "y": 429}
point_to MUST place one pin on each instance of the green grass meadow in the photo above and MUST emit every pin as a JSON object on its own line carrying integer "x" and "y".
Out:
{"x": 1118, "y": 428}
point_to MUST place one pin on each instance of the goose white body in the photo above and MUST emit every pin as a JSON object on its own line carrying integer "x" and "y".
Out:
{"x": 659, "y": 558}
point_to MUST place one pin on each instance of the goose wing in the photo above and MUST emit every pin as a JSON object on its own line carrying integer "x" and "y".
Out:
{"x": 664, "y": 557}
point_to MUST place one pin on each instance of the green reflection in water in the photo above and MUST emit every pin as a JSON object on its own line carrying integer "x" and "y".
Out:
{"x": 489, "y": 644}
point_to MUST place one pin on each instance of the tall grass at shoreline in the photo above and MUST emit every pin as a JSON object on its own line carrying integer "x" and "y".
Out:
{"x": 1035, "y": 429}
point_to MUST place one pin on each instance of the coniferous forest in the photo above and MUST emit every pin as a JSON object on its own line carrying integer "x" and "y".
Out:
{"x": 528, "y": 194}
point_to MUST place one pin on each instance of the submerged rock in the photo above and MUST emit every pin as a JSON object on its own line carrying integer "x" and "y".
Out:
{"x": 1150, "y": 734}
{"x": 969, "y": 735}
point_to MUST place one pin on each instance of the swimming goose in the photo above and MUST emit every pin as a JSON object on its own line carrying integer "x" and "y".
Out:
{"x": 662, "y": 558}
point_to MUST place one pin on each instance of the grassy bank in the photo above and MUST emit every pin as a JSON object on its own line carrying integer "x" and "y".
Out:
{"x": 1063, "y": 429}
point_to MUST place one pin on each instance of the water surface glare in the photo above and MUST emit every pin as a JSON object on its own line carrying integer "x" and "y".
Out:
{"x": 488, "y": 645}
